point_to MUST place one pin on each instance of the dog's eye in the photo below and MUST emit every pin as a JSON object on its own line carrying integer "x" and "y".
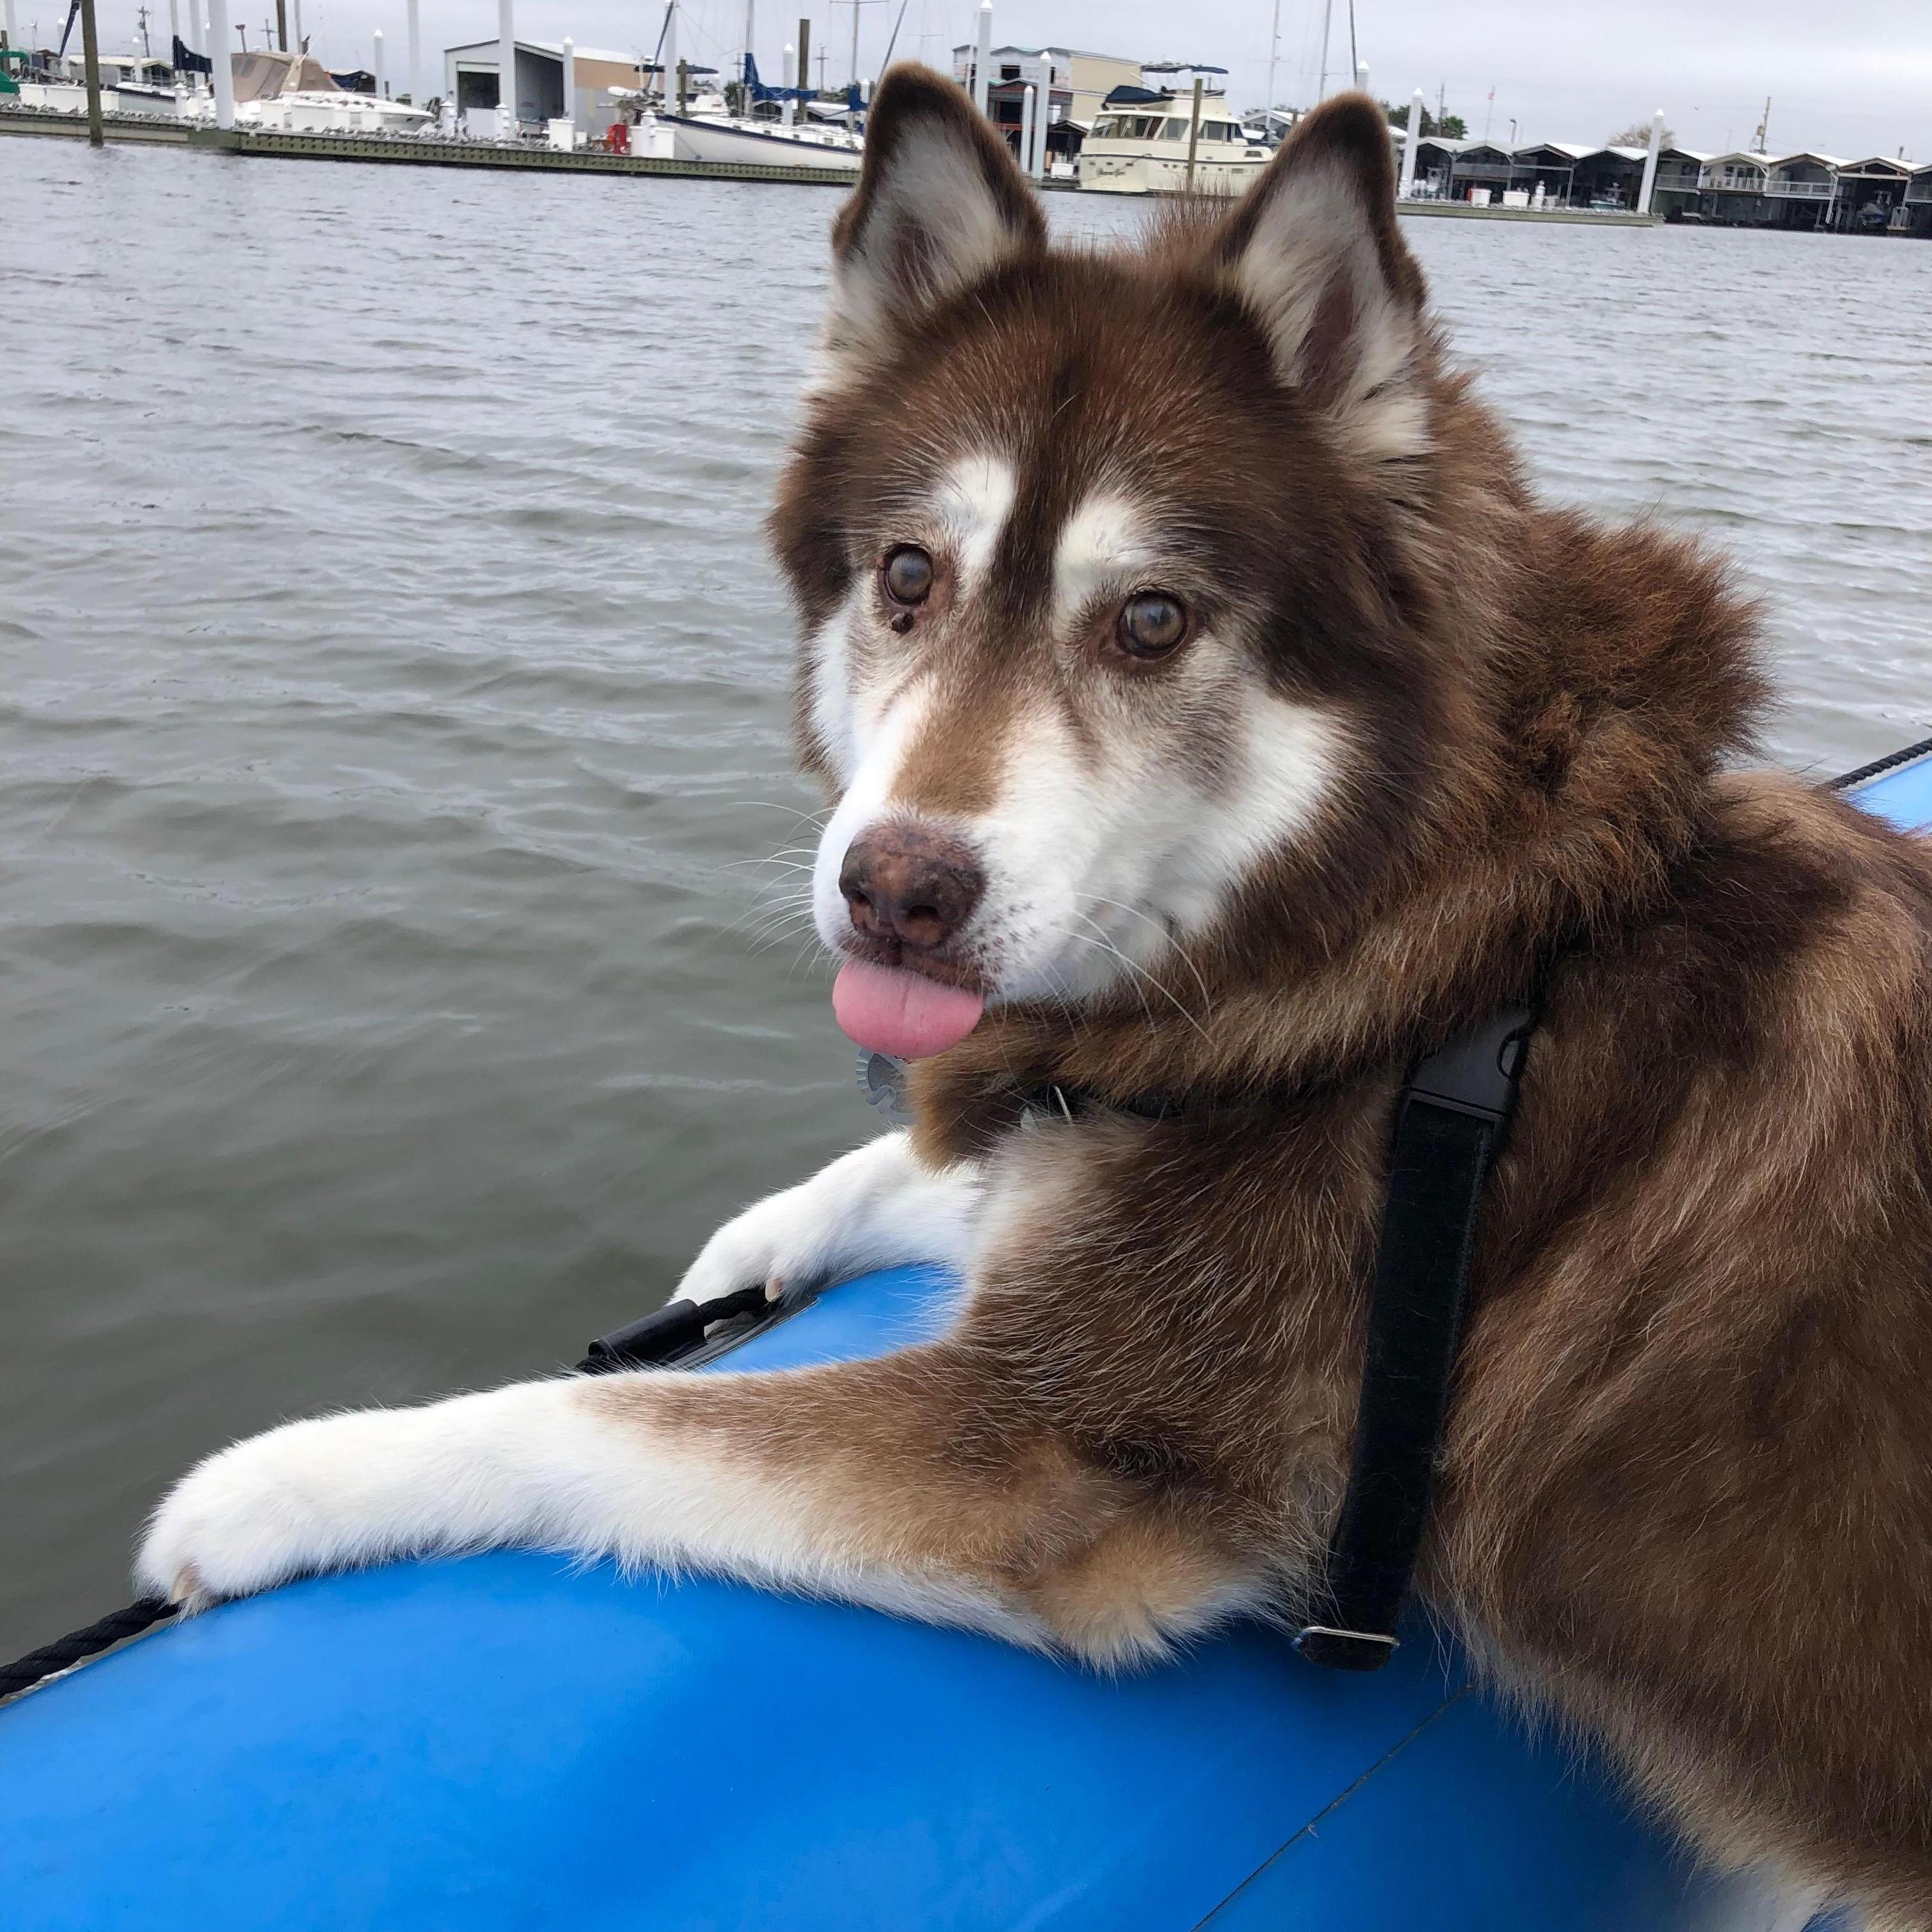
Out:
{"x": 908, "y": 575}
{"x": 1152, "y": 624}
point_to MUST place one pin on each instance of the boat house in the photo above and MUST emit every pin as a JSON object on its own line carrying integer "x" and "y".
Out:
{"x": 1881, "y": 194}
{"x": 1565, "y": 174}
{"x": 470, "y": 79}
{"x": 1871, "y": 195}
{"x": 1918, "y": 203}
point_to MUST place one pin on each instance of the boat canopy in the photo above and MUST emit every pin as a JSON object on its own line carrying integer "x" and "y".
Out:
{"x": 263, "y": 76}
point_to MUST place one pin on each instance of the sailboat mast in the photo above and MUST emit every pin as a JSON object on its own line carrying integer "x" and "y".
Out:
{"x": 1274, "y": 56}
{"x": 1327, "y": 19}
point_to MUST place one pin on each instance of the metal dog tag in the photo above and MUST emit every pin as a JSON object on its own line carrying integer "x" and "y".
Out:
{"x": 882, "y": 1079}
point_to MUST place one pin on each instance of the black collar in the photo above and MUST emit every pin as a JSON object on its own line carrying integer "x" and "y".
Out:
{"x": 1061, "y": 1099}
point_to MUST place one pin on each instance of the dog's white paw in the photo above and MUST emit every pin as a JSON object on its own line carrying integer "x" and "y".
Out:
{"x": 276, "y": 1506}
{"x": 869, "y": 1208}
{"x": 766, "y": 1245}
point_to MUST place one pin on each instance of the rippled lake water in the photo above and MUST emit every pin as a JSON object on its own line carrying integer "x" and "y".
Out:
{"x": 395, "y": 711}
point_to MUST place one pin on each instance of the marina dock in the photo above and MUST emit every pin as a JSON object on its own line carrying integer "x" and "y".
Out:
{"x": 1582, "y": 217}
{"x": 409, "y": 151}
{"x": 433, "y": 152}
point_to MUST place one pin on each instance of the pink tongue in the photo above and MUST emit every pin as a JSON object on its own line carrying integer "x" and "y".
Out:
{"x": 903, "y": 1013}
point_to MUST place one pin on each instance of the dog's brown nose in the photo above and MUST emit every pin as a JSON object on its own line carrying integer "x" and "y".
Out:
{"x": 907, "y": 883}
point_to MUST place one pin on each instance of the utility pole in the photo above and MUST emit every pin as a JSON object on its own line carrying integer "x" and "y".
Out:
{"x": 1759, "y": 139}
{"x": 90, "y": 54}
{"x": 804, "y": 58}
{"x": 141, "y": 16}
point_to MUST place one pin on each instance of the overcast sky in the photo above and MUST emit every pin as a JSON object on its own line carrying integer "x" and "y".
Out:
{"x": 1848, "y": 82}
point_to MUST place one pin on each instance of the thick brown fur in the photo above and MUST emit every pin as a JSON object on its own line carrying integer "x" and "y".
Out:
{"x": 1689, "y": 1473}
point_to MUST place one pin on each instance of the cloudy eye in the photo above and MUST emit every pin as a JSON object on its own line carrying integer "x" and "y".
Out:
{"x": 908, "y": 575}
{"x": 1152, "y": 624}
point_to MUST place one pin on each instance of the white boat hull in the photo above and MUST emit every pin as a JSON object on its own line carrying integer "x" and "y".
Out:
{"x": 1148, "y": 174}
{"x": 697, "y": 140}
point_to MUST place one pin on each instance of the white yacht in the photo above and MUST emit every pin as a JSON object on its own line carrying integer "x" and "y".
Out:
{"x": 1139, "y": 143}
{"x": 703, "y": 128}
{"x": 292, "y": 94}
{"x": 697, "y": 136}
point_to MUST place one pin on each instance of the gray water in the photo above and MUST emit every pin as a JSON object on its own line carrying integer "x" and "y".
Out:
{"x": 394, "y": 713}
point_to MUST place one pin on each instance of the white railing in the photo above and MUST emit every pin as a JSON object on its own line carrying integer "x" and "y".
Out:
{"x": 1801, "y": 190}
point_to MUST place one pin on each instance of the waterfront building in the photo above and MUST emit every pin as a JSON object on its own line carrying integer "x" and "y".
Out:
{"x": 1566, "y": 174}
{"x": 1481, "y": 165}
{"x": 1871, "y": 195}
{"x": 1731, "y": 190}
{"x": 1802, "y": 189}
{"x": 1680, "y": 174}
{"x": 1070, "y": 85}
{"x": 470, "y": 80}
{"x": 1880, "y": 194}
{"x": 1918, "y": 203}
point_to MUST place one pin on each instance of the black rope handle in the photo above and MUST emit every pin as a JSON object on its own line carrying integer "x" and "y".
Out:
{"x": 1880, "y": 766}
{"x": 669, "y": 1337}
{"x": 77, "y": 1646}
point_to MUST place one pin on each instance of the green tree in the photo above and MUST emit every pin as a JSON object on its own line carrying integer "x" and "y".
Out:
{"x": 1449, "y": 126}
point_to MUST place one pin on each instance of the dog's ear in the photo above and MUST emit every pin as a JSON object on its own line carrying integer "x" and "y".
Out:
{"x": 940, "y": 203}
{"x": 1314, "y": 251}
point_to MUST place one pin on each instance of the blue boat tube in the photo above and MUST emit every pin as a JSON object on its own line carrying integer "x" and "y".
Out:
{"x": 508, "y": 1741}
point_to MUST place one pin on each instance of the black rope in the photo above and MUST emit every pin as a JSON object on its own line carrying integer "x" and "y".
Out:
{"x": 674, "y": 1336}
{"x": 1880, "y": 766}
{"x": 77, "y": 1646}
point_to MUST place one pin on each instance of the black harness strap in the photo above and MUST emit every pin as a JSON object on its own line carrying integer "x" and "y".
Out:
{"x": 1450, "y": 1122}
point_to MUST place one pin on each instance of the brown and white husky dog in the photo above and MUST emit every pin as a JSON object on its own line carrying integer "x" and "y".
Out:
{"x": 1213, "y": 713}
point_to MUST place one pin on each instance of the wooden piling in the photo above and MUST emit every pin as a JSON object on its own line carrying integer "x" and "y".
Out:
{"x": 90, "y": 51}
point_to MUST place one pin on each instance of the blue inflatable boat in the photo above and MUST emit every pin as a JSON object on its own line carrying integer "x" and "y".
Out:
{"x": 506, "y": 1741}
